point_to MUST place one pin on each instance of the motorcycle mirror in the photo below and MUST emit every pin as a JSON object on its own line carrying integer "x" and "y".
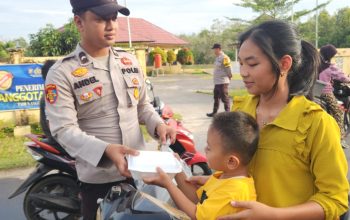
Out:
{"x": 149, "y": 84}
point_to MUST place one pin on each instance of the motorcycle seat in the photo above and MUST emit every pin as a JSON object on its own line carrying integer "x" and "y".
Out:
{"x": 55, "y": 145}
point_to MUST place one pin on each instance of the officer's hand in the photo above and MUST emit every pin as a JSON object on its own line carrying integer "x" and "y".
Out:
{"x": 116, "y": 153}
{"x": 164, "y": 132}
{"x": 230, "y": 76}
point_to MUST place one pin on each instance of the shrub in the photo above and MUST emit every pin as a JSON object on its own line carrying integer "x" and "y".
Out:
{"x": 185, "y": 56}
{"x": 36, "y": 128}
{"x": 171, "y": 57}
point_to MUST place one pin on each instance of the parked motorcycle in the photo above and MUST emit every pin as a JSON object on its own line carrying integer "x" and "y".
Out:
{"x": 53, "y": 188}
{"x": 342, "y": 93}
{"x": 184, "y": 144}
{"x": 124, "y": 202}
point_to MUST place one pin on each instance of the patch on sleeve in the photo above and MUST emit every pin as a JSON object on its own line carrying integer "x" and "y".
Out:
{"x": 51, "y": 93}
{"x": 227, "y": 61}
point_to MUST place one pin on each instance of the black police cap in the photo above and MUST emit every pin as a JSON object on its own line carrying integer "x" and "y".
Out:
{"x": 216, "y": 46}
{"x": 102, "y": 8}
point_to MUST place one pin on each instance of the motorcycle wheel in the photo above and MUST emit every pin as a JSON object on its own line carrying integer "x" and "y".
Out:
{"x": 57, "y": 184}
{"x": 200, "y": 169}
{"x": 346, "y": 122}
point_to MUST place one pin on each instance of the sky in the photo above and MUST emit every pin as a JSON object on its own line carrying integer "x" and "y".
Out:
{"x": 20, "y": 18}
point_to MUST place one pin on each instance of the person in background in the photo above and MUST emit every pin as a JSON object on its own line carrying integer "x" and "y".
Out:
{"x": 329, "y": 72}
{"x": 43, "y": 121}
{"x": 222, "y": 77}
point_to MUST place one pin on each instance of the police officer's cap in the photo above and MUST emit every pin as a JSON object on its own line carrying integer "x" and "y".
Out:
{"x": 102, "y": 8}
{"x": 216, "y": 46}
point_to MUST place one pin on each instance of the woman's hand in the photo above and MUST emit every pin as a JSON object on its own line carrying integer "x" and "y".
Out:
{"x": 161, "y": 179}
{"x": 252, "y": 211}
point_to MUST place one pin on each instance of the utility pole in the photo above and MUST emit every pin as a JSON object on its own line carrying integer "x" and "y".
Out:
{"x": 316, "y": 31}
{"x": 293, "y": 11}
{"x": 129, "y": 30}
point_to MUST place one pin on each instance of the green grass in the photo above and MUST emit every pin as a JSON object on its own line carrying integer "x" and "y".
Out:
{"x": 236, "y": 76}
{"x": 145, "y": 134}
{"x": 13, "y": 153}
{"x": 232, "y": 92}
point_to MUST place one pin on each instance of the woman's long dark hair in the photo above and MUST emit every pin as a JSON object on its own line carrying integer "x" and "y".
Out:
{"x": 277, "y": 39}
{"x": 327, "y": 52}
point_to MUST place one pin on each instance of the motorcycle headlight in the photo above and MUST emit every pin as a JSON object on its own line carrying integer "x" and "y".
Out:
{"x": 36, "y": 156}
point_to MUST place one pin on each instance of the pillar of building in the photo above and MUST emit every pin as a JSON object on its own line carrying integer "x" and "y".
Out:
{"x": 141, "y": 57}
{"x": 16, "y": 55}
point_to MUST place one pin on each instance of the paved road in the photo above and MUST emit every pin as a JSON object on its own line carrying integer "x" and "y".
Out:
{"x": 180, "y": 93}
{"x": 177, "y": 91}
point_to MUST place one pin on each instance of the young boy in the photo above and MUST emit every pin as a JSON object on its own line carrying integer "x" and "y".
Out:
{"x": 232, "y": 141}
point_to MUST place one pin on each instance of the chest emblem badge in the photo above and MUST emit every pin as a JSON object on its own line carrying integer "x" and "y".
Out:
{"x": 126, "y": 61}
{"x": 81, "y": 71}
{"x": 86, "y": 96}
{"x": 98, "y": 90}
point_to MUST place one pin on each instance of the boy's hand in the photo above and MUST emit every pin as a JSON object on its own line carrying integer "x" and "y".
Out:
{"x": 162, "y": 179}
{"x": 198, "y": 181}
{"x": 176, "y": 155}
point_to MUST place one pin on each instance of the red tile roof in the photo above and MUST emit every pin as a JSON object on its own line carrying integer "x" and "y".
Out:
{"x": 144, "y": 31}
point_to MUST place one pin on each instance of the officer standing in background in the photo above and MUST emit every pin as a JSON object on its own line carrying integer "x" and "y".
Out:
{"x": 95, "y": 100}
{"x": 222, "y": 77}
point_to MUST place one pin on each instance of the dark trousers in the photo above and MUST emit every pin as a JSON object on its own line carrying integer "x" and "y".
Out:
{"x": 221, "y": 92}
{"x": 91, "y": 192}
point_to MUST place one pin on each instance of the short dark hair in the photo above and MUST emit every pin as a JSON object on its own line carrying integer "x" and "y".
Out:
{"x": 46, "y": 67}
{"x": 239, "y": 133}
{"x": 279, "y": 38}
{"x": 80, "y": 13}
{"x": 327, "y": 52}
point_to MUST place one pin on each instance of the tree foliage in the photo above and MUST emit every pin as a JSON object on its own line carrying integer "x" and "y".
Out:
{"x": 334, "y": 29}
{"x": 49, "y": 41}
{"x": 221, "y": 32}
{"x": 277, "y": 9}
{"x": 6, "y": 45}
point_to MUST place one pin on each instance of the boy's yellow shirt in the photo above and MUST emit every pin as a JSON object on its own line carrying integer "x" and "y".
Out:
{"x": 215, "y": 196}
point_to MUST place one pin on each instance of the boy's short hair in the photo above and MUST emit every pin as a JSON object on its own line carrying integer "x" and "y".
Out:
{"x": 239, "y": 132}
{"x": 46, "y": 67}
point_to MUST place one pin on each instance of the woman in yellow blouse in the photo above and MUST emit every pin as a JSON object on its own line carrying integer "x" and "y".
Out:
{"x": 299, "y": 168}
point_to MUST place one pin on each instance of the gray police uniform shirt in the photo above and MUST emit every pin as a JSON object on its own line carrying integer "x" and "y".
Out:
{"x": 89, "y": 107}
{"x": 222, "y": 69}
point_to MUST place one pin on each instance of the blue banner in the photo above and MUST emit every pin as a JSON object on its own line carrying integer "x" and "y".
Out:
{"x": 21, "y": 86}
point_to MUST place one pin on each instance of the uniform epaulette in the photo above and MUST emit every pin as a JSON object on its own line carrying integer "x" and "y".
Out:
{"x": 69, "y": 56}
{"x": 60, "y": 61}
{"x": 119, "y": 49}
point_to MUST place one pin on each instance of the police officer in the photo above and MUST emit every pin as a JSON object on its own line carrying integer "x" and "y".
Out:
{"x": 222, "y": 77}
{"x": 95, "y": 100}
